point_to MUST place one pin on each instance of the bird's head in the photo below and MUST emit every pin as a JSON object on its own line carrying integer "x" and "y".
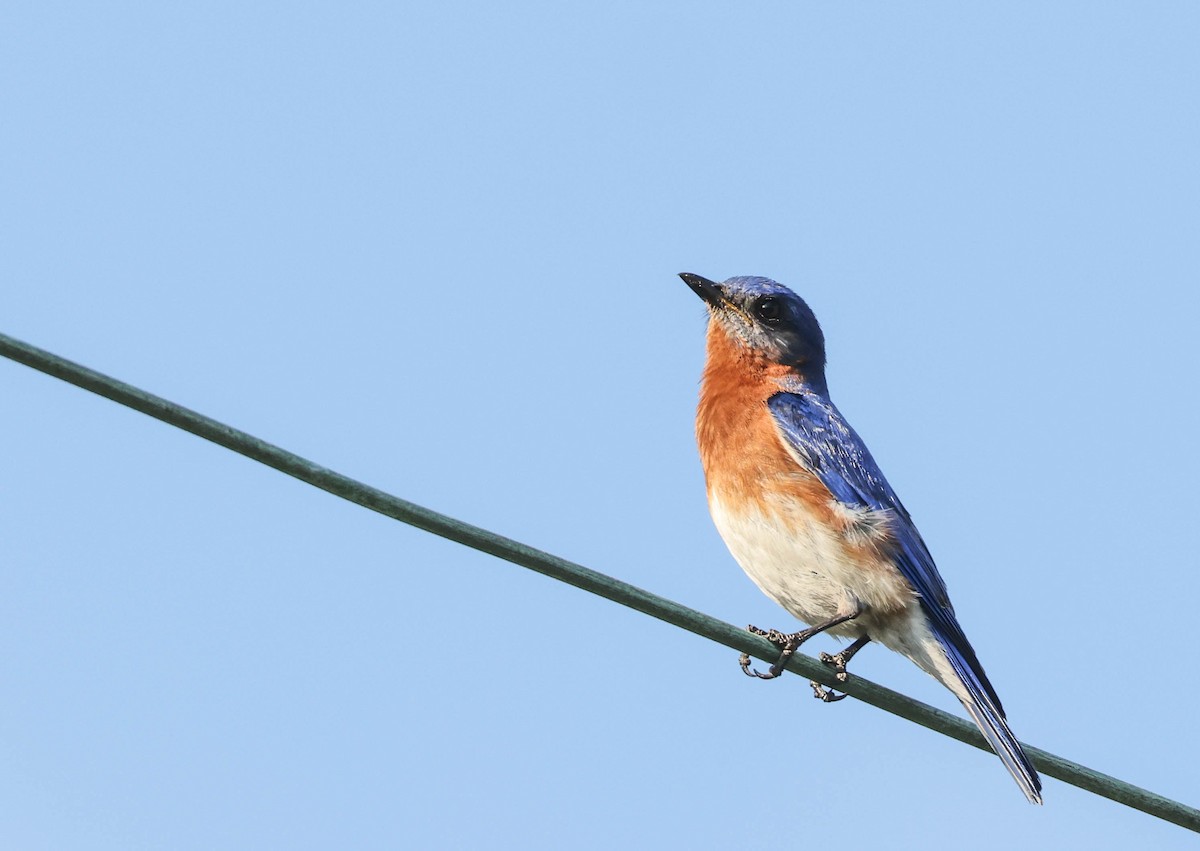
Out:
{"x": 765, "y": 320}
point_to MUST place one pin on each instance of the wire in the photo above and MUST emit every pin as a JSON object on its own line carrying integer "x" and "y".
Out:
{"x": 579, "y": 576}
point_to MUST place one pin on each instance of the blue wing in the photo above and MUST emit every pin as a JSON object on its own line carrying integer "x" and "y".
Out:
{"x": 826, "y": 444}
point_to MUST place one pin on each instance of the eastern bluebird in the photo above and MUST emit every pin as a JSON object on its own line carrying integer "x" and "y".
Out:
{"x": 808, "y": 515}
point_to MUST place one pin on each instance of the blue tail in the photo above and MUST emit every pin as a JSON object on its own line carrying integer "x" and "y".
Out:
{"x": 984, "y": 707}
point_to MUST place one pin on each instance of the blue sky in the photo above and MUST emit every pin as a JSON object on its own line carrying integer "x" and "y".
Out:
{"x": 434, "y": 247}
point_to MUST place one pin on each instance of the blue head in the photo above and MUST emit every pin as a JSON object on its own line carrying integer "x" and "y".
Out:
{"x": 767, "y": 320}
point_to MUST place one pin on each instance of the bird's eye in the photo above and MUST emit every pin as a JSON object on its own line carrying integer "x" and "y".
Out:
{"x": 768, "y": 309}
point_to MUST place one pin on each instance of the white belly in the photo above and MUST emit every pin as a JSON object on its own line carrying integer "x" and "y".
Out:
{"x": 816, "y": 572}
{"x": 813, "y": 571}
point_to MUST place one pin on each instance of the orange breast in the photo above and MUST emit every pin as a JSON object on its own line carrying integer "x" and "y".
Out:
{"x": 745, "y": 462}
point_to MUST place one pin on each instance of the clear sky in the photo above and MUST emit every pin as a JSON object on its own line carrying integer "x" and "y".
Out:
{"x": 434, "y": 246}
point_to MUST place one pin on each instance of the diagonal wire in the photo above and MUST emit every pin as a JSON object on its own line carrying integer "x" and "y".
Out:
{"x": 579, "y": 576}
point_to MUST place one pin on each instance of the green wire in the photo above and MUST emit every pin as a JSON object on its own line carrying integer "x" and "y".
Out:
{"x": 579, "y": 576}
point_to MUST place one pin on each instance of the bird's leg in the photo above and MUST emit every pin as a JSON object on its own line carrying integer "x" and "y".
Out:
{"x": 839, "y": 661}
{"x": 789, "y": 643}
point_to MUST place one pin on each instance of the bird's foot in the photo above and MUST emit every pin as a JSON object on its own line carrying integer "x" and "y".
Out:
{"x": 825, "y": 694}
{"x": 787, "y": 643}
{"x": 838, "y": 661}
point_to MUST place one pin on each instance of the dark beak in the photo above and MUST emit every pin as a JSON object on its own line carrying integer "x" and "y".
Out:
{"x": 706, "y": 289}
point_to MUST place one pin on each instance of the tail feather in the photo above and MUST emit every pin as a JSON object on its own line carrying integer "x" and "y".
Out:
{"x": 989, "y": 717}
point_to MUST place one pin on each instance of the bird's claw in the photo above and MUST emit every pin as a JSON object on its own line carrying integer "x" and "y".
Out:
{"x": 744, "y": 661}
{"x": 787, "y": 643}
{"x": 824, "y": 694}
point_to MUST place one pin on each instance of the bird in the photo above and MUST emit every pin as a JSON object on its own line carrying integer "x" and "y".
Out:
{"x": 806, "y": 512}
